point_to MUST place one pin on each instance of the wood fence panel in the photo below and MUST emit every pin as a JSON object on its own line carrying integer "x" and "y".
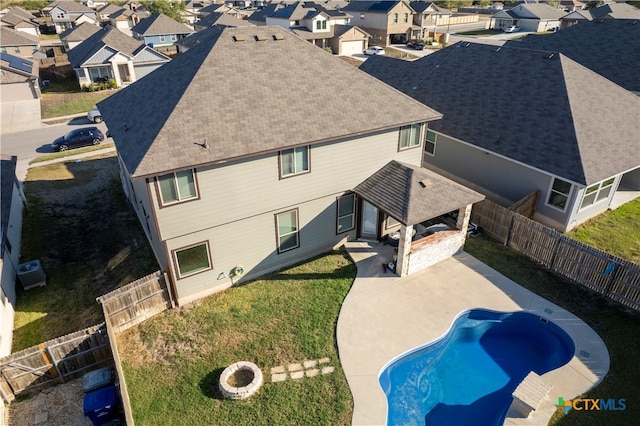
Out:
{"x": 533, "y": 239}
{"x": 582, "y": 264}
{"x": 80, "y": 352}
{"x": 625, "y": 287}
{"x": 28, "y": 370}
{"x": 526, "y": 206}
{"x": 492, "y": 218}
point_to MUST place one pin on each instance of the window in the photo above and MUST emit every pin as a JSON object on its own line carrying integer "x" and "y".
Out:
{"x": 287, "y": 231}
{"x": 16, "y": 49}
{"x": 430, "y": 143}
{"x": 346, "y": 213}
{"x": 173, "y": 37}
{"x": 395, "y": 18}
{"x": 296, "y": 23}
{"x": 559, "y": 194}
{"x": 410, "y": 136}
{"x": 406, "y": 17}
{"x": 321, "y": 25}
{"x": 598, "y": 192}
{"x": 3, "y": 49}
{"x": 177, "y": 187}
{"x": 294, "y": 161}
{"x": 192, "y": 260}
{"x": 162, "y": 39}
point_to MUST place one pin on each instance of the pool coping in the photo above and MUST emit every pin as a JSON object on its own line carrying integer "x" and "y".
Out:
{"x": 385, "y": 316}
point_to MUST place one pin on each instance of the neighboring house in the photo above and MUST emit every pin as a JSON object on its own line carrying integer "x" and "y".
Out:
{"x": 74, "y": 36}
{"x": 572, "y": 5}
{"x": 20, "y": 20}
{"x": 18, "y": 43}
{"x": 111, "y": 54}
{"x": 159, "y": 30}
{"x": 68, "y": 14}
{"x": 556, "y": 127}
{"x": 19, "y": 93}
{"x": 429, "y": 17}
{"x": 93, "y": 4}
{"x": 572, "y": 18}
{"x": 613, "y": 50}
{"x": 388, "y": 22}
{"x": 232, "y": 181}
{"x": 10, "y": 241}
{"x": 212, "y": 19}
{"x": 104, "y": 12}
{"x": 315, "y": 23}
{"x": 615, "y": 11}
{"x": 126, "y": 19}
{"x": 534, "y": 17}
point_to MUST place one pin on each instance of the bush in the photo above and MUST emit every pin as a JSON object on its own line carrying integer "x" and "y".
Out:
{"x": 102, "y": 86}
{"x": 112, "y": 83}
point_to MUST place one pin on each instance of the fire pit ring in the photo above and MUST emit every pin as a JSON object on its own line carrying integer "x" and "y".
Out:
{"x": 240, "y": 380}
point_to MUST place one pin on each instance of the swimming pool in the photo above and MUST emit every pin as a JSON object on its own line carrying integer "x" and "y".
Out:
{"x": 467, "y": 377}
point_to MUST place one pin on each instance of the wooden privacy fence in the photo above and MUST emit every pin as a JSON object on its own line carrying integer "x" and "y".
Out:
{"x": 128, "y": 306}
{"x": 609, "y": 275}
{"x": 54, "y": 361}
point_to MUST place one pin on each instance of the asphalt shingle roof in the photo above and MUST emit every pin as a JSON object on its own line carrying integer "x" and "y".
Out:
{"x": 158, "y": 24}
{"x": 370, "y": 6}
{"x": 616, "y": 11}
{"x": 540, "y": 10}
{"x": 412, "y": 194}
{"x": 9, "y": 37}
{"x": 610, "y": 47}
{"x": 289, "y": 93}
{"x": 216, "y": 18}
{"x": 551, "y": 113}
{"x": 7, "y": 180}
{"x": 107, "y": 36}
{"x": 73, "y": 7}
{"x": 79, "y": 33}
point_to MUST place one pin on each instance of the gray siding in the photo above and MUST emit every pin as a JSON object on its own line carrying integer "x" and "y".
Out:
{"x": 101, "y": 57}
{"x": 144, "y": 69}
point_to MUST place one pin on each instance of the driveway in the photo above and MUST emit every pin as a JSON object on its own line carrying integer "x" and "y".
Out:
{"x": 384, "y": 316}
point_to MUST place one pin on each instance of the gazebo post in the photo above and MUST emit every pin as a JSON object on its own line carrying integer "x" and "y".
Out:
{"x": 464, "y": 215}
{"x": 404, "y": 249}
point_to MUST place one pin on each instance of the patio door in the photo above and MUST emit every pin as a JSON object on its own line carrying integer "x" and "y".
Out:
{"x": 369, "y": 221}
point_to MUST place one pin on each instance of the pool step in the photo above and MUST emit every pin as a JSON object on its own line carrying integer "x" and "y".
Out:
{"x": 529, "y": 394}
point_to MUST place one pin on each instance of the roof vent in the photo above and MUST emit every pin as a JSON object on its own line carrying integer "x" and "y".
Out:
{"x": 260, "y": 37}
{"x": 239, "y": 37}
{"x": 425, "y": 183}
{"x": 278, "y": 37}
{"x": 467, "y": 44}
{"x": 498, "y": 49}
{"x": 550, "y": 56}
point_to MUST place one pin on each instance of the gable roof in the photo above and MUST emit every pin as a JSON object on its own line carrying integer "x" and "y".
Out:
{"x": 159, "y": 24}
{"x": 554, "y": 114}
{"x": 73, "y": 7}
{"x": 421, "y": 6}
{"x": 216, "y": 18}
{"x": 612, "y": 49}
{"x": 109, "y": 8}
{"x": 10, "y": 37}
{"x": 17, "y": 15}
{"x": 372, "y": 6}
{"x": 291, "y": 94}
{"x": 616, "y": 11}
{"x": 542, "y": 11}
{"x": 80, "y": 32}
{"x": 412, "y": 194}
{"x": 107, "y": 36}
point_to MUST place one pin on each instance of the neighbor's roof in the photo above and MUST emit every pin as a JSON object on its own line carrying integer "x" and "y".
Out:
{"x": 371, "y": 6}
{"x": 216, "y": 18}
{"x": 7, "y": 181}
{"x": 107, "y": 36}
{"x": 541, "y": 11}
{"x": 79, "y": 33}
{"x": 616, "y": 11}
{"x": 159, "y": 24}
{"x": 421, "y": 6}
{"x": 540, "y": 109}
{"x": 108, "y": 9}
{"x": 10, "y": 37}
{"x": 613, "y": 50}
{"x": 17, "y": 15}
{"x": 291, "y": 93}
{"x": 413, "y": 194}
{"x": 18, "y": 65}
{"x": 73, "y": 7}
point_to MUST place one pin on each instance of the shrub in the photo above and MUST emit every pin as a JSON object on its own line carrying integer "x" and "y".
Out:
{"x": 102, "y": 86}
{"x": 112, "y": 83}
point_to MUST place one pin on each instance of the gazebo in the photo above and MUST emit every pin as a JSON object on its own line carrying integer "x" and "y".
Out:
{"x": 412, "y": 196}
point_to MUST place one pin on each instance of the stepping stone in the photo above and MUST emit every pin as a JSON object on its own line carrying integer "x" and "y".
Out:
{"x": 278, "y": 369}
{"x": 294, "y": 367}
{"x": 327, "y": 370}
{"x": 309, "y": 364}
{"x": 279, "y": 377}
{"x": 312, "y": 372}
{"x": 324, "y": 360}
{"x": 42, "y": 418}
{"x": 297, "y": 375}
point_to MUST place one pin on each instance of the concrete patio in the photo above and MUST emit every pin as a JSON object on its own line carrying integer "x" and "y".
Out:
{"x": 384, "y": 316}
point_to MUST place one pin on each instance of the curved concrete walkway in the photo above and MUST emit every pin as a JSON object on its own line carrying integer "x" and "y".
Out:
{"x": 384, "y": 316}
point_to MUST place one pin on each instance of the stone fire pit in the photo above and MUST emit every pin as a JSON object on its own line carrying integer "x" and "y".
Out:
{"x": 240, "y": 380}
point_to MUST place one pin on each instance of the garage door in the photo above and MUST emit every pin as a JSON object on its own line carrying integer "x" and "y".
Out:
{"x": 352, "y": 47}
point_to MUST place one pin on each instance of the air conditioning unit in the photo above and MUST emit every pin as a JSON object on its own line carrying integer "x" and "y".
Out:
{"x": 31, "y": 274}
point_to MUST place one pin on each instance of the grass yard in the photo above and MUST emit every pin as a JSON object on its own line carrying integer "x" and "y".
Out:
{"x": 617, "y": 326}
{"x": 172, "y": 362}
{"x": 72, "y": 152}
{"x": 614, "y": 231}
{"x": 65, "y": 98}
{"x": 79, "y": 225}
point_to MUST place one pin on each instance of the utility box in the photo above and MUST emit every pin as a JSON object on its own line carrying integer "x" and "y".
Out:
{"x": 31, "y": 274}
{"x": 97, "y": 379}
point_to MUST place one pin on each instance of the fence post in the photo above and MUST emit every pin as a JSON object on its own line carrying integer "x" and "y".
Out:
{"x": 511, "y": 220}
{"x": 53, "y": 361}
{"x": 556, "y": 245}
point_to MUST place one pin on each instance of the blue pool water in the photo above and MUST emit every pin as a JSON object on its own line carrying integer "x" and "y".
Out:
{"x": 467, "y": 377}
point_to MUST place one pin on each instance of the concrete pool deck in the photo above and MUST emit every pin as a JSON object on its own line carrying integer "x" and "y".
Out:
{"x": 384, "y": 316}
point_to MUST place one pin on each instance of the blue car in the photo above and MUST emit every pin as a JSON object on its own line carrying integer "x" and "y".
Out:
{"x": 78, "y": 138}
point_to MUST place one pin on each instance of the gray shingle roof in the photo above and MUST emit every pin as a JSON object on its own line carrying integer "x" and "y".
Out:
{"x": 73, "y": 7}
{"x": 109, "y": 9}
{"x": 107, "y": 36}
{"x": 9, "y": 37}
{"x": 79, "y": 33}
{"x": 540, "y": 10}
{"x": 17, "y": 15}
{"x": 216, "y": 18}
{"x": 421, "y": 6}
{"x": 412, "y": 194}
{"x": 371, "y": 6}
{"x": 612, "y": 49}
{"x": 289, "y": 93}
{"x": 158, "y": 24}
{"x": 551, "y": 113}
{"x": 7, "y": 180}
{"x": 616, "y": 11}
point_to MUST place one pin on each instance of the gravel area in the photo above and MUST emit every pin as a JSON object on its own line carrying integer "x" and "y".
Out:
{"x": 60, "y": 405}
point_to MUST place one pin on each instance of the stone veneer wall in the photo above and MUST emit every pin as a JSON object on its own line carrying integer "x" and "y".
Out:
{"x": 445, "y": 245}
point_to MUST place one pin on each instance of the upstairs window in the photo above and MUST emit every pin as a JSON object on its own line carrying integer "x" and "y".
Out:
{"x": 177, "y": 187}
{"x": 406, "y": 17}
{"x": 161, "y": 38}
{"x": 559, "y": 194}
{"x": 410, "y": 136}
{"x": 346, "y": 213}
{"x": 294, "y": 161}
{"x": 395, "y": 18}
{"x": 430, "y": 143}
{"x": 598, "y": 192}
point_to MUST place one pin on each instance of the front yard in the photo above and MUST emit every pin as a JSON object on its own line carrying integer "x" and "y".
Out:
{"x": 65, "y": 98}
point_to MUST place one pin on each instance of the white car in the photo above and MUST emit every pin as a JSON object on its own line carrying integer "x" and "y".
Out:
{"x": 374, "y": 50}
{"x": 512, "y": 29}
{"x": 95, "y": 116}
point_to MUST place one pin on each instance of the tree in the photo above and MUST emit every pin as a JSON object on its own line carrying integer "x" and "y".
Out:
{"x": 171, "y": 8}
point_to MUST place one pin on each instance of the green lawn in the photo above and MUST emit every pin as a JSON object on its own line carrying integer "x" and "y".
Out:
{"x": 173, "y": 361}
{"x": 614, "y": 231}
{"x": 65, "y": 98}
{"x": 69, "y": 153}
{"x": 617, "y": 326}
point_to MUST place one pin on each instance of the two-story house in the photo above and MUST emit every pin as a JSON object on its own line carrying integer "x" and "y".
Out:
{"x": 325, "y": 28}
{"x": 159, "y": 30}
{"x": 72, "y": 37}
{"x": 20, "y": 20}
{"x": 105, "y": 11}
{"x": 388, "y": 22}
{"x": 558, "y": 128}
{"x": 67, "y": 14}
{"x": 429, "y": 16}
{"x": 18, "y": 43}
{"x": 232, "y": 181}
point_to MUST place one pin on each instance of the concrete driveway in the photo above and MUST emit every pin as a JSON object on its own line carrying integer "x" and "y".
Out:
{"x": 384, "y": 316}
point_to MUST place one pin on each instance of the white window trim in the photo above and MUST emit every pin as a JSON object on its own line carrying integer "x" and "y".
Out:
{"x": 597, "y": 191}
{"x": 426, "y": 142}
{"x": 411, "y": 127}
{"x": 352, "y": 214}
{"x": 164, "y": 203}
{"x": 297, "y": 231}
{"x": 175, "y": 259}
{"x": 295, "y": 173}
{"x": 553, "y": 178}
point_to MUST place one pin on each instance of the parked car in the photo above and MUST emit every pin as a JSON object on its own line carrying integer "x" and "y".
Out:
{"x": 374, "y": 50}
{"x": 416, "y": 44}
{"x": 77, "y": 138}
{"x": 512, "y": 29}
{"x": 95, "y": 116}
